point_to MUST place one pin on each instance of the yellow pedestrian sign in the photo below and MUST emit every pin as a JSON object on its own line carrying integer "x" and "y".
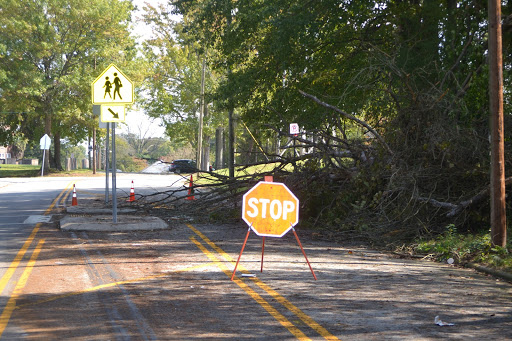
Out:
{"x": 112, "y": 113}
{"x": 112, "y": 87}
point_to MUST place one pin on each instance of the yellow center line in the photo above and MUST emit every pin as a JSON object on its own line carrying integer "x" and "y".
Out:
{"x": 113, "y": 284}
{"x": 254, "y": 295}
{"x": 67, "y": 188}
{"x": 290, "y": 306}
{"x": 65, "y": 197}
{"x": 19, "y": 256}
{"x": 11, "y": 304}
{"x": 21, "y": 253}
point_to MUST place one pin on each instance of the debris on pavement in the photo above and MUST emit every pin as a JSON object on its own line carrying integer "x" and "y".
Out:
{"x": 438, "y": 321}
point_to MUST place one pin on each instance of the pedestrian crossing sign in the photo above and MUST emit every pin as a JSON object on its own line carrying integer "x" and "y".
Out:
{"x": 112, "y": 87}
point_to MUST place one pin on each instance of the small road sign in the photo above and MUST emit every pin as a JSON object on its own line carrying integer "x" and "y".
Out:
{"x": 112, "y": 87}
{"x": 270, "y": 209}
{"x": 45, "y": 142}
{"x": 294, "y": 129}
{"x": 112, "y": 113}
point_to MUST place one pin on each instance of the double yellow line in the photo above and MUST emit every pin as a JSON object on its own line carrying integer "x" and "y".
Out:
{"x": 11, "y": 303}
{"x": 257, "y": 297}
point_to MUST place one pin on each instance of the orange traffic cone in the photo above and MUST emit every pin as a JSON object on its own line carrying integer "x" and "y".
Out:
{"x": 190, "y": 195}
{"x": 74, "y": 201}
{"x": 132, "y": 194}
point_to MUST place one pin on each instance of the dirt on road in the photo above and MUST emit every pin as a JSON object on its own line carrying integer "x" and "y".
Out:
{"x": 174, "y": 284}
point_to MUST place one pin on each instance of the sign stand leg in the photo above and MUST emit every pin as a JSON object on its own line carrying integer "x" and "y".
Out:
{"x": 239, "y": 256}
{"x": 262, "y": 252}
{"x": 303, "y": 252}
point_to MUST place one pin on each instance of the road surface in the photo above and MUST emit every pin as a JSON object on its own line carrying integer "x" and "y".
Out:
{"x": 175, "y": 284}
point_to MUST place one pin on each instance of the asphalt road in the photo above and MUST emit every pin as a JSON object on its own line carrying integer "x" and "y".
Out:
{"x": 23, "y": 203}
{"x": 175, "y": 284}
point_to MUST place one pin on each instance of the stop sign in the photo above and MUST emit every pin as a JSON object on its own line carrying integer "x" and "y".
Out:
{"x": 270, "y": 209}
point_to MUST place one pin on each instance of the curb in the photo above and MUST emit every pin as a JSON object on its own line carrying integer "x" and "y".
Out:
{"x": 496, "y": 273}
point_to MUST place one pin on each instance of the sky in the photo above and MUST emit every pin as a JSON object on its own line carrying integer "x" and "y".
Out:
{"x": 137, "y": 121}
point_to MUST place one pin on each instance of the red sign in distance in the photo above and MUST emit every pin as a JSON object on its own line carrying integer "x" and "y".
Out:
{"x": 270, "y": 209}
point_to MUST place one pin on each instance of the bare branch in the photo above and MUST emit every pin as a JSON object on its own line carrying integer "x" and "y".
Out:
{"x": 349, "y": 116}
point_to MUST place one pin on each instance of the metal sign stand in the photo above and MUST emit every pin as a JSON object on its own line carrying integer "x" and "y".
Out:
{"x": 114, "y": 186}
{"x": 263, "y": 251}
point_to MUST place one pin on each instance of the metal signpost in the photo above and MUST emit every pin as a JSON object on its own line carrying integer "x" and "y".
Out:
{"x": 112, "y": 90}
{"x": 114, "y": 181}
{"x": 294, "y": 131}
{"x": 96, "y": 109}
{"x": 45, "y": 143}
{"x": 107, "y": 165}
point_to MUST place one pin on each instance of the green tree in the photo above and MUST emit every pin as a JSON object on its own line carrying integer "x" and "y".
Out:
{"x": 50, "y": 51}
{"x": 71, "y": 149}
{"x": 172, "y": 89}
{"x": 126, "y": 159}
{"x": 414, "y": 70}
{"x": 150, "y": 148}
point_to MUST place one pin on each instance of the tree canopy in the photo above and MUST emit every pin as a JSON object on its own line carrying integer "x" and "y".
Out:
{"x": 173, "y": 90}
{"x": 404, "y": 81}
{"x": 50, "y": 51}
{"x": 391, "y": 96}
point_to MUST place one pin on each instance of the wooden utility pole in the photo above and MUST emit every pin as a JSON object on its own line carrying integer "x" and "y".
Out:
{"x": 498, "y": 209}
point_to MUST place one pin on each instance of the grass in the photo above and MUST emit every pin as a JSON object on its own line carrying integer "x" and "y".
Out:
{"x": 249, "y": 171}
{"x": 26, "y": 171}
{"x": 76, "y": 172}
{"x": 18, "y": 171}
{"x": 467, "y": 248}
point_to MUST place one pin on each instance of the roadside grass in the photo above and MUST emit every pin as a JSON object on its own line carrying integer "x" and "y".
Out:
{"x": 467, "y": 248}
{"x": 26, "y": 171}
{"x": 18, "y": 171}
{"x": 76, "y": 172}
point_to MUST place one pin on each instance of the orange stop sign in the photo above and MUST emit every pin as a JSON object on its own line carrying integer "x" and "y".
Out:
{"x": 270, "y": 209}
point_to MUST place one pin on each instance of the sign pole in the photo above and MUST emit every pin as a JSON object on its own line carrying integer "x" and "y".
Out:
{"x": 114, "y": 185}
{"x": 42, "y": 168}
{"x": 107, "y": 164}
{"x": 262, "y": 252}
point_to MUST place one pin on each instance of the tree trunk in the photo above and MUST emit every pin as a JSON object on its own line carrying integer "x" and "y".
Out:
{"x": 219, "y": 151}
{"x": 57, "y": 152}
{"x": 47, "y": 131}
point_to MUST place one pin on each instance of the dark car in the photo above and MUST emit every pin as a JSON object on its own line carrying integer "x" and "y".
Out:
{"x": 183, "y": 166}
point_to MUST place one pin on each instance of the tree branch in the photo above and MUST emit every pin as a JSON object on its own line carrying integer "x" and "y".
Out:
{"x": 455, "y": 209}
{"x": 350, "y": 117}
